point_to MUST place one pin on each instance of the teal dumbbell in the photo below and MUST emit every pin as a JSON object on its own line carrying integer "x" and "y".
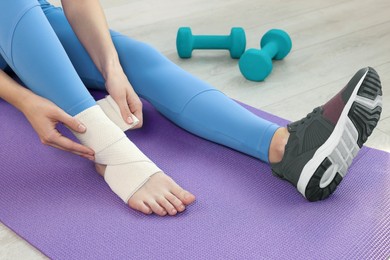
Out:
{"x": 256, "y": 64}
{"x": 186, "y": 42}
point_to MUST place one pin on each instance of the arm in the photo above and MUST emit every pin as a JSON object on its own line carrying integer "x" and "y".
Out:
{"x": 89, "y": 23}
{"x": 43, "y": 116}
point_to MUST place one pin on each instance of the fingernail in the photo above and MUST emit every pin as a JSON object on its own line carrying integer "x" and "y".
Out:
{"x": 82, "y": 127}
{"x": 129, "y": 120}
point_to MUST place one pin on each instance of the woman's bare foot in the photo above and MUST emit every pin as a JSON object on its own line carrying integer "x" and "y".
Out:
{"x": 160, "y": 195}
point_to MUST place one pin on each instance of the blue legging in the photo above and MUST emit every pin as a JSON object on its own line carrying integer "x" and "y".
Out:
{"x": 37, "y": 42}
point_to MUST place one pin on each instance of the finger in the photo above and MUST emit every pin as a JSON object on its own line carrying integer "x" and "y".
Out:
{"x": 138, "y": 114}
{"x": 136, "y": 109}
{"x": 67, "y": 143}
{"x": 70, "y": 122}
{"x": 86, "y": 156}
{"x": 72, "y": 146}
{"x": 125, "y": 111}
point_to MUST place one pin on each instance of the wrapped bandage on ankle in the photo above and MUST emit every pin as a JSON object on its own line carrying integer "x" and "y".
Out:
{"x": 127, "y": 167}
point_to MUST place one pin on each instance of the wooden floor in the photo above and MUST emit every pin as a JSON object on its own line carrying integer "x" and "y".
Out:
{"x": 331, "y": 41}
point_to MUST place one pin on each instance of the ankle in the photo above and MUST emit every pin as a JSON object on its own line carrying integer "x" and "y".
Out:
{"x": 278, "y": 144}
{"x": 100, "y": 168}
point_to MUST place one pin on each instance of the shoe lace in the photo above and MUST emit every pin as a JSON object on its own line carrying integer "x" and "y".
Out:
{"x": 304, "y": 120}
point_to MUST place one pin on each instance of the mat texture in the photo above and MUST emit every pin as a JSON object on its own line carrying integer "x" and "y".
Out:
{"x": 57, "y": 202}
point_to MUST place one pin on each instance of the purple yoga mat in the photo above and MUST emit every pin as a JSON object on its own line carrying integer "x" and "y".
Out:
{"x": 57, "y": 202}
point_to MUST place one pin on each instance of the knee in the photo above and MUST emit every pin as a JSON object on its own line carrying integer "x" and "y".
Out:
{"x": 10, "y": 21}
{"x": 137, "y": 53}
{"x": 129, "y": 44}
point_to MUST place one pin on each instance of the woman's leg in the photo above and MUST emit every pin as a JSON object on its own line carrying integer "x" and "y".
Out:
{"x": 316, "y": 150}
{"x": 33, "y": 51}
{"x": 347, "y": 118}
{"x": 184, "y": 99}
{"x": 192, "y": 103}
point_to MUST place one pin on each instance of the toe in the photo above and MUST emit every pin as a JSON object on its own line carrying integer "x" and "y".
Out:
{"x": 166, "y": 204}
{"x": 175, "y": 202}
{"x": 188, "y": 197}
{"x": 156, "y": 208}
{"x": 140, "y": 206}
{"x": 183, "y": 195}
{"x": 145, "y": 209}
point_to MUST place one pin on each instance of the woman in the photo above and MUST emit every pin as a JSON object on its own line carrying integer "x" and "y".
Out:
{"x": 58, "y": 53}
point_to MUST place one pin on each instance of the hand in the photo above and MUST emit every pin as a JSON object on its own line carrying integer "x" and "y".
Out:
{"x": 44, "y": 115}
{"x": 118, "y": 86}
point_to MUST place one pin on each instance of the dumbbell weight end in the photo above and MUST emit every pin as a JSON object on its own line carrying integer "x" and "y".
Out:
{"x": 184, "y": 42}
{"x": 277, "y": 42}
{"x": 255, "y": 65}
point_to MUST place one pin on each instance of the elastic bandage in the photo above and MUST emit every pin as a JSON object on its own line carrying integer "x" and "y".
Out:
{"x": 111, "y": 109}
{"x": 127, "y": 167}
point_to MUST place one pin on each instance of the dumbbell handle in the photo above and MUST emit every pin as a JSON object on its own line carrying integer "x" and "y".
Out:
{"x": 271, "y": 48}
{"x": 211, "y": 42}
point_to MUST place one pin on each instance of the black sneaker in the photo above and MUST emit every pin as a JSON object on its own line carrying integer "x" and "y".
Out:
{"x": 321, "y": 146}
